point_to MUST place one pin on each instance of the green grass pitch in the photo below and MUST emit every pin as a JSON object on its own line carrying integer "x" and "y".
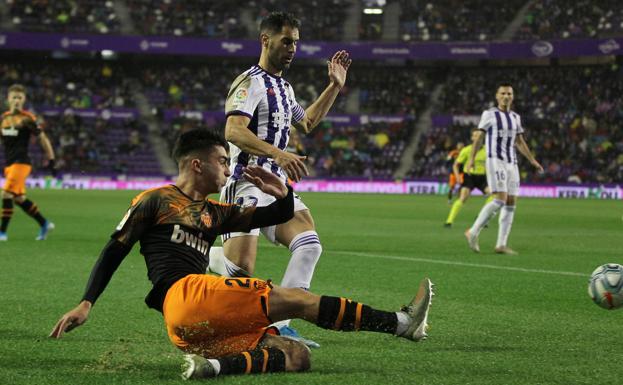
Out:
{"x": 523, "y": 319}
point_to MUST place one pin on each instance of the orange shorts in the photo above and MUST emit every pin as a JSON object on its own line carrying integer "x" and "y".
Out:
{"x": 452, "y": 181}
{"x": 16, "y": 175}
{"x": 217, "y": 316}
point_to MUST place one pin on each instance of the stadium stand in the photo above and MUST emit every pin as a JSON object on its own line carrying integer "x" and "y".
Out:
{"x": 91, "y": 16}
{"x": 562, "y": 19}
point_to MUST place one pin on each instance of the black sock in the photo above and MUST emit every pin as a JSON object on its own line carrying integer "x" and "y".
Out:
{"x": 346, "y": 315}
{"x": 31, "y": 209}
{"x": 268, "y": 360}
{"x": 7, "y": 213}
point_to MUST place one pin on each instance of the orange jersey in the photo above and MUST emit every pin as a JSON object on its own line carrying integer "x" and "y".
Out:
{"x": 15, "y": 131}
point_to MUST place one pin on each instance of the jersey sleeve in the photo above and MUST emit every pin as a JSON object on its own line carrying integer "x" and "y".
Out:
{"x": 35, "y": 123}
{"x": 485, "y": 121}
{"x": 298, "y": 112}
{"x": 243, "y": 97}
{"x": 233, "y": 217}
{"x": 139, "y": 217}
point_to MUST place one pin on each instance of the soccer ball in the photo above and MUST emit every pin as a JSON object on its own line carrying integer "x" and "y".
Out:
{"x": 606, "y": 286}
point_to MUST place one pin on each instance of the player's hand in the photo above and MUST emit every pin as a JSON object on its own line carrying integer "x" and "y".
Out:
{"x": 71, "y": 320}
{"x": 538, "y": 166}
{"x": 338, "y": 67}
{"x": 292, "y": 164}
{"x": 52, "y": 167}
{"x": 266, "y": 181}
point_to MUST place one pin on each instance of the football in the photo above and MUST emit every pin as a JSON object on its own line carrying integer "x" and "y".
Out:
{"x": 606, "y": 286}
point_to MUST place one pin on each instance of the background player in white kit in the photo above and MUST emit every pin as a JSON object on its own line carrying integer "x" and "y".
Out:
{"x": 260, "y": 109}
{"x": 503, "y": 130}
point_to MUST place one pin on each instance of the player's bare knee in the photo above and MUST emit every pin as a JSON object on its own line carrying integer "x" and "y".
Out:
{"x": 298, "y": 357}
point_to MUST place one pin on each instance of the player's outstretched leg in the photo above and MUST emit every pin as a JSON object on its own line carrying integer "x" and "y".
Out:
{"x": 342, "y": 314}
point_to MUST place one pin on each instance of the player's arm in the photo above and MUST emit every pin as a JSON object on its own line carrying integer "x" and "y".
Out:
{"x": 128, "y": 232}
{"x": 44, "y": 142}
{"x": 236, "y": 132}
{"x": 522, "y": 146}
{"x": 337, "y": 68}
{"x": 476, "y": 144}
{"x": 455, "y": 169}
{"x": 46, "y": 145}
{"x": 110, "y": 258}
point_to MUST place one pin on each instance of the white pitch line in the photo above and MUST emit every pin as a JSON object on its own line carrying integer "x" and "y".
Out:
{"x": 455, "y": 263}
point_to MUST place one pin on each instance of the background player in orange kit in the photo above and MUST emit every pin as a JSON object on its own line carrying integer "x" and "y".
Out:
{"x": 18, "y": 126}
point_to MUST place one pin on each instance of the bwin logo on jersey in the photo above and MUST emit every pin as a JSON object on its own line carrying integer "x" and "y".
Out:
{"x": 192, "y": 240}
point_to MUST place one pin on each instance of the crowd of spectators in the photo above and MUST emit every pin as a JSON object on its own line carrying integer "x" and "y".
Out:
{"x": 320, "y": 19}
{"x": 324, "y": 20}
{"x": 76, "y": 84}
{"x": 572, "y": 117}
{"x": 562, "y": 19}
{"x": 369, "y": 151}
{"x": 455, "y": 20}
{"x": 93, "y": 16}
{"x": 212, "y": 19}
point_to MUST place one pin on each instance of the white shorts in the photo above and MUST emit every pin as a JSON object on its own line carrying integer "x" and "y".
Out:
{"x": 246, "y": 194}
{"x": 502, "y": 176}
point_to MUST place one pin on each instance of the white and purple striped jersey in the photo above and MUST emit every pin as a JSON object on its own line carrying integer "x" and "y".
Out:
{"x": 502, "y": 129}
{"x": 269, "y": 102}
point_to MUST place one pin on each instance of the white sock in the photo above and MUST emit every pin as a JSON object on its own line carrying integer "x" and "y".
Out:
{"x": 486, "y": 213}
{"x": 506, "y": 222}
{"x": 403, "y": 322}
{"x": 306, "y": 250}
{"x": 221, "y": 265}
{"x": 216, "y": 365}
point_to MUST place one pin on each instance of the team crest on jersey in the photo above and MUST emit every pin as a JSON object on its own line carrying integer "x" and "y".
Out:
{"x": 241, "y": 94}
{"x": 270, "y": 91}
{"x": 206, "y": 219}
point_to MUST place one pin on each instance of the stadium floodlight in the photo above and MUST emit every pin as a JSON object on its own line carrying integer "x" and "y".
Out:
{"x": 373, "y": 11}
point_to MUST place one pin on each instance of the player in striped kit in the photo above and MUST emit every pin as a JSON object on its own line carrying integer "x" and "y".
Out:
{"x": 260, "y": 109}
{"x": 504, "y": 132}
